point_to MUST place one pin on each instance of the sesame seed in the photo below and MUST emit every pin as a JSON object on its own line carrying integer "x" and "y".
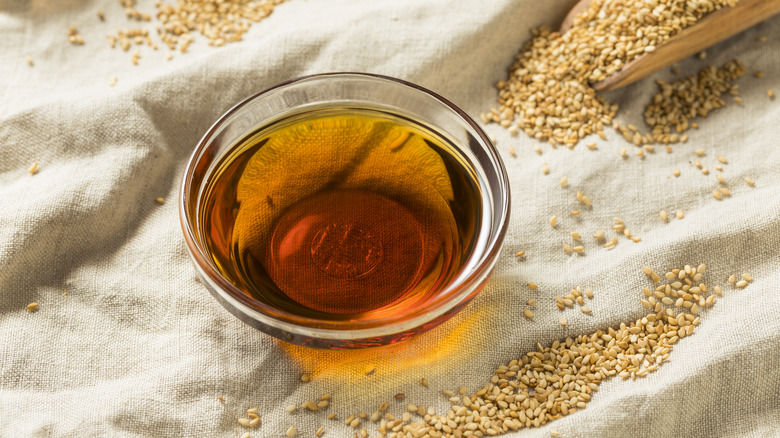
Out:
{"x": 159, "y": 200}
{"x": 564, "y": 180}
{"x": 741, "y": 283}
{"x": 305, "y": 378}
{"x": 545, "y": 169}
{"x": 220, "y": 398}
{"x": 290, "y": 409}
{"x": 725, "y": 191}
{"x": 290, "y": 431}
{"x": 254, "y": 422}
{"x": 562, "y": 321}
{"x": 575, "y": 235}
{"x": 750, "y": 182}
{"x": 664, "y": 215}
{"x": 331, "y": 416}
{"x": 598, "y": 235}
{"x": 33, "y": 169}
{"x": 528, "y": 313}
{"x": 680, "y": 214}
{"x": 579, "y": 248}
{"x": 717, "y": 194}
{"x": 32, "y": 307}
{"x": 243, "y": 421}
{"x": 575, "y": 213}
{"x": 533, "y": 286}
{"x": 399, "y": 396}
{"x": 747, "y": 277}
{"x": 319, "y": 431}
{"x": 29, "y": 60}
{"x": 586, "y": 310}
{"x": 511, "y": 151}
{"x": 699, "y": 152}
{"x": 676, "y": 172}
{"x": 112, "y": 81}
{"x": 770, "y": 93}
{"x": 553, "y": 220}
{"x": 424, "y": 382}
{"x": 246, "y": 435}
{"x": 566, "y": 248}
{"x": 531, "y": 302}
{"x": 519, "y": 253}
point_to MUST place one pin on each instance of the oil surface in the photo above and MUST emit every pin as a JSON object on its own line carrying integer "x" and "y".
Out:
{"x": 341, "y": 214}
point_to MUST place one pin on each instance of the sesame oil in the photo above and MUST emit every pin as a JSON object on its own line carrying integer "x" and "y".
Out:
{"x": 341, "y": 214}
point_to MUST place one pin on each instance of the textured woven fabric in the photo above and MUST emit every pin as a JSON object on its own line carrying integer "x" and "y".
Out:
{"x": 127, "y": 342}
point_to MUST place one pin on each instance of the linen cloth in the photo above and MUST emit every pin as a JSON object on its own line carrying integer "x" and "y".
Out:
{"x": 127, "y": 342}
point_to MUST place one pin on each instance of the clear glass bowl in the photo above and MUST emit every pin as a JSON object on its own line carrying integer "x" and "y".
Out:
{"x": 338, "y": 90}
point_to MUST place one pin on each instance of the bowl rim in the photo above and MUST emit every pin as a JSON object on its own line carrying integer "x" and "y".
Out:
{"x": 453, "y": 294}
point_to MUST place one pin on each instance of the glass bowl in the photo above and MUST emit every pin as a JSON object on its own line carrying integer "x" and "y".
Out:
{"x": 354, "y": 90}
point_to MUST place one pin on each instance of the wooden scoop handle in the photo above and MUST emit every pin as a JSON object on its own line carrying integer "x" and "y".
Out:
{"x": 711, "y": 29}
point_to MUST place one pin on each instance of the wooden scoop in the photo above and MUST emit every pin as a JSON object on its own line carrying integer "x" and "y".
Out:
{"x": 711, "y": 29}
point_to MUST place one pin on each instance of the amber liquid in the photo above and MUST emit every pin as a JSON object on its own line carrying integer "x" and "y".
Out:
{"x": 341, "y": 214}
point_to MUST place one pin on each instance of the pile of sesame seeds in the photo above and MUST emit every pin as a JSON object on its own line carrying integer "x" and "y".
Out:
{"x": 548, "y": 94}
{"x": 219, "y": 22}
{"x": 694, "y": 96}
{"x": 556, "y": 380}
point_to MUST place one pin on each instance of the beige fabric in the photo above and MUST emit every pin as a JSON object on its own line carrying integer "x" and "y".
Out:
{"x": 127, "y": 343}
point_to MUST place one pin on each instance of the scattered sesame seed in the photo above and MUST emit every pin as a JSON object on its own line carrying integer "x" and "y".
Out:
{"x": 758, "y": 74}
{"x": 32, "y": 307}
{"x": 531, "y": 303}
{"x": 591, "y": 146}
{"x": 545, "y": 169}
{"x": 399, "y": 396}
{"x": 254, "y": 422}
{"x": 575, "y": 235}
{"x": 676, "y": 172}
{"x": 566, "y": 248}
{"x": 553, "y": 220}
{"x": 747, "y": 277}
{"x": 528, "y": 313}
{"x": 578, "y": 248}
{"x": 29, "y": 60}
{"x": 159, "y": 200}
{"x": 750, "y": 182}
{"x": 717, "y": 194}
{"x": 331, "y": 416}
{"x": 290, "y": 432}
{"x": 319, "y": 431}
{"x": 112, "y": 81}
{"x": 33, "y": 169}
{"x": 586, "y": 310}
{"x": 575, "y": 212}
{"x": 533, "y": 286}
{"x": 770, "y": 93}
{"x": 722, "y": 159}
{"x": 562, "y": 321}
{"x": 511, "y": 151}
{"x": 290, "y": 409}
{"x": 305, "y": 378}
{"x": 424, "y": 382}
{"x": 564, "y": 181}
{"x": 664, "y": 215}
{"x": 680, "y": 214}
{"x": 732, "y": 279}
{"x": 246, "y": 435}
{"x": 741, "y": 283}
{"x": 520, "y": 254}
{"x": 220, "y": 398}
{"x": 243, "y": 421}
{"x": 599, "y": 235}
{"x": 699, "y": 152}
